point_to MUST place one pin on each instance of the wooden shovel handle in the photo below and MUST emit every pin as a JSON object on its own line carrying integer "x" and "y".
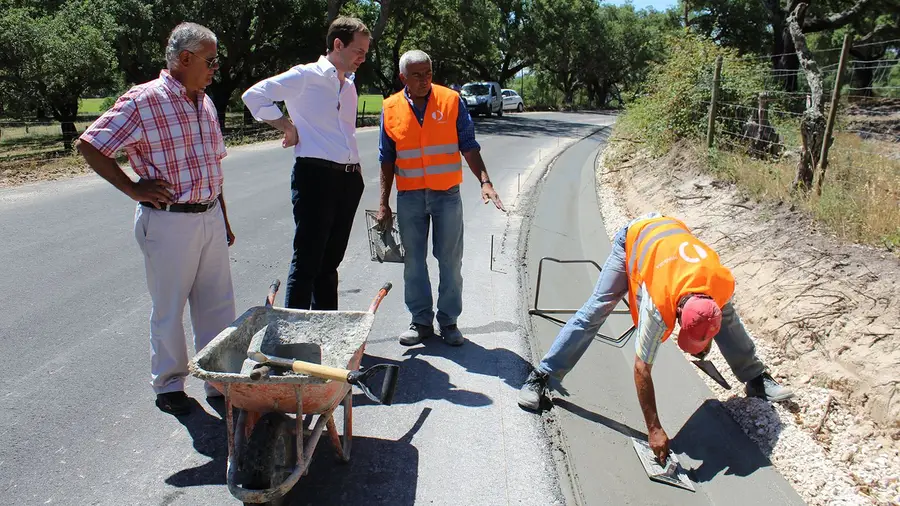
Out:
{"x": 320, "y": 371}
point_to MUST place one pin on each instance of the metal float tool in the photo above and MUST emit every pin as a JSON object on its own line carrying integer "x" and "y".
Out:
{"x": 672, "y": 474}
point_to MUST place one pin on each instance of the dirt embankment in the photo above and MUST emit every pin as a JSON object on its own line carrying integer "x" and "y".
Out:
{"x": 825, "y": 316}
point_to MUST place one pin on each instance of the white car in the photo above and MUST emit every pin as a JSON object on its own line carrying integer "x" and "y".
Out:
{"x": 512, "y": 101}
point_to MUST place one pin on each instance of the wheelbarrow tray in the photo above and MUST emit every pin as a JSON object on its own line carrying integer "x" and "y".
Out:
{"x": 332, "y": 338}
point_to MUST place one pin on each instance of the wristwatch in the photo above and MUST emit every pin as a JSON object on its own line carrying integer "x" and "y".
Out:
{"x": 487, "y": 182}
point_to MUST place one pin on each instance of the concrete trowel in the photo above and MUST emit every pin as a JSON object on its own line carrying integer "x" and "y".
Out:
{"x": 672, "y": 474}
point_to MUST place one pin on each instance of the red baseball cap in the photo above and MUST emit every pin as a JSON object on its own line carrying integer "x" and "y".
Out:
{"x": 701, "y": 320}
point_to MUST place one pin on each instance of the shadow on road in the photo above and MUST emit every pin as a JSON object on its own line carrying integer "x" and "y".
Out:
{"x": 418, "y": 380}
{"x": 598, "y": 418}
{"x": 524, "y": 126}
{"x": 711, "y": 440}
{"x": 496, "y": 362}
{"x": 701, "y": 440}
{"x": 209, "y": 438}
{"x": 380, "y": 471}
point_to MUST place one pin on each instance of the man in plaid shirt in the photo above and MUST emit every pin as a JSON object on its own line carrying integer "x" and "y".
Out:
{"x": 170, "y": 132}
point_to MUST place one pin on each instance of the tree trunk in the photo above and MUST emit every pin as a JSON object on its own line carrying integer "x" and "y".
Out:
{"x": 334, "y": 7}
{"x": 862, "y": 78}
{"x": 787, "y": 63}
{"x": 69, "y": 133}
{"x": 66, "y": 114}
{"x": 812, "y": 124}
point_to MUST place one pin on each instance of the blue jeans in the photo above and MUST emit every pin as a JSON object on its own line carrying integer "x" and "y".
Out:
{"x": 417, "y": 210}
{"x": 575, "y": 337}
{"x": 573, "y": 340}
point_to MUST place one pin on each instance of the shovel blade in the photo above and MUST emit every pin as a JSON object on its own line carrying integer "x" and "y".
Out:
{"x": 710, "y": 369}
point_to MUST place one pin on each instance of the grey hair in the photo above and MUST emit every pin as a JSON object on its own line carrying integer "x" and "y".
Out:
{"x": 187, "y": 37}
{"x": 413, "y": 57}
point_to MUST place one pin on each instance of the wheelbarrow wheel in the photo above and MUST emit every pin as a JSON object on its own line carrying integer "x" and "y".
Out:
{"x": 270, "y": 454}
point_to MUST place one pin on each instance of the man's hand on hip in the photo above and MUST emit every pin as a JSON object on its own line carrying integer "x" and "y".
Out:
{"x": 488, "y": 194}
{"x": 155, "y": 191}
{"x": 291, "y": 137}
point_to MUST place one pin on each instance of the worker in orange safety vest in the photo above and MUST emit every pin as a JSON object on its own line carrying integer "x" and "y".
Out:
{"x": 424, "y": 128}
{"x": 669, "y": 277}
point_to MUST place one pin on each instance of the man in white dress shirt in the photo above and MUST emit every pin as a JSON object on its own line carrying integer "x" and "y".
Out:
{"x": 326, "y": 183}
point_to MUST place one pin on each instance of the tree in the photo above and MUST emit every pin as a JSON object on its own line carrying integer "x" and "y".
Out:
{"x": 49, "y": 61}
{"x": 740, "y": 24}
{"x": 565, "y": 30}
{"x": 812, "y": 123}
{"x": 256, "y": 38}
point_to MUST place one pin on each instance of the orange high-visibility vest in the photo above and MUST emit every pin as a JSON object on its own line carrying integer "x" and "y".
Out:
{"x": 427, "y": 155}
{"x": 663, "y": 254}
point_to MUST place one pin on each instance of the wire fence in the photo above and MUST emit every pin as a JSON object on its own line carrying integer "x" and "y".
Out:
{"x": 868, "y": 103}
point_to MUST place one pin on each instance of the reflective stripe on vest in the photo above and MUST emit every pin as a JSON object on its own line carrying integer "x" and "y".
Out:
{"x": 427, "y": 154}
{"x": 662, "y": 254}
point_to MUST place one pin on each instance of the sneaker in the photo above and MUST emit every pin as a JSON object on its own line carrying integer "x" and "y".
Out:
{"x": 416, "y": 333}
{"x": 452, "y": 336}
{"x": 534, "y": 391}
{"x": 765, "y": 387}
{"x": 173, "y": 403}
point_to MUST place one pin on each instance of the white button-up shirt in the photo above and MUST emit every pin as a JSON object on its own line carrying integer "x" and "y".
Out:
{"x": 323, "y": 111}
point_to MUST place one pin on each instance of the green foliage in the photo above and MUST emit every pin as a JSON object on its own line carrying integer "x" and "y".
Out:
{"x": 680, "y": 89}
{"x": 48, "y": 60}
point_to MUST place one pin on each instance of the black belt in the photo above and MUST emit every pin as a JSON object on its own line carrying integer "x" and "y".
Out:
{"x": 343, "y": 167}
{"x": 183, "y": 208}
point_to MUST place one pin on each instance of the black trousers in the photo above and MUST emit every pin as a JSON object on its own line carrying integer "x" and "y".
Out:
{"x": 325, "y": 201}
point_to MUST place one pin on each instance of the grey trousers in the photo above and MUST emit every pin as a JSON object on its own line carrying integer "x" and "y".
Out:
{"x": 736, "y": 346}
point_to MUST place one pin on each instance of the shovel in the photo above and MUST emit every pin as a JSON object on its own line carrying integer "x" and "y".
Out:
{"x": 710, "y": 369}
{"x": 359, "y": 378}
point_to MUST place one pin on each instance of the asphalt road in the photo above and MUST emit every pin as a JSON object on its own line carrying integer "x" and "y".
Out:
{"x": 77, "y": 420}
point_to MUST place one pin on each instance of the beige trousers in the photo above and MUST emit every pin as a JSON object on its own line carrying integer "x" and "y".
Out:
{"x": 186, "y": 259}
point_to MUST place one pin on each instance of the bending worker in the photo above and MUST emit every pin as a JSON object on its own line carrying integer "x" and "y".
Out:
{"x": 424, "y": 128}
{"x": 669, "y": 276}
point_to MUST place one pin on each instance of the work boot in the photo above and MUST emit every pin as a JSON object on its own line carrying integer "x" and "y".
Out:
{"x": 534, "y": 390}
{"x": 765, "y": 387}
{"x": 415, "y": 334}
{"x": 451, "y": 335}
{"x": 174, "y": 403}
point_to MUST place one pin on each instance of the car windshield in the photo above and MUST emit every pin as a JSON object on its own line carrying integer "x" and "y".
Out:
{"x": 476, "y": 89}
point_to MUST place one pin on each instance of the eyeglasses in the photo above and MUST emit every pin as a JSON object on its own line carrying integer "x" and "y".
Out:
{"x": 210, "y": 62}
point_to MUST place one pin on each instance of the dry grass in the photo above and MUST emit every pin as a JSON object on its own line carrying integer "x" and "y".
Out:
{"x": 860, "y": 200}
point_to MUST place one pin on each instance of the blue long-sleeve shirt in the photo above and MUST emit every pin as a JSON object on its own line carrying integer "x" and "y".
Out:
{"x": 465, "y": 130}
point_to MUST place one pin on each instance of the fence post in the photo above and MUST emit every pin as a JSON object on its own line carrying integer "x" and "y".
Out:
{"x": 829, "y": 126}
{"x": 711, "y": 126}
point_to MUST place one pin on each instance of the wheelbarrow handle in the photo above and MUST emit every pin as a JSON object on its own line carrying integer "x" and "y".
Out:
{"x": 260, "y": 372}
{"x": 273, "y": 289}
{"x": 380, "y": 296}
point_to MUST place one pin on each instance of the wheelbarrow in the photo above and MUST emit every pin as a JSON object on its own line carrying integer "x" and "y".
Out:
{"x": 281, "y": 368}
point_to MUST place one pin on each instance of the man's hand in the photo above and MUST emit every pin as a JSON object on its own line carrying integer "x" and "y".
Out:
{"x": 384, "y": 218}
{"x": 229, "y": 234}
{"x": 488, "y": 194}
{"x": 659, "y": 443}
{"x": 155, "y": 191}
{"x": 291, "y": 137}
